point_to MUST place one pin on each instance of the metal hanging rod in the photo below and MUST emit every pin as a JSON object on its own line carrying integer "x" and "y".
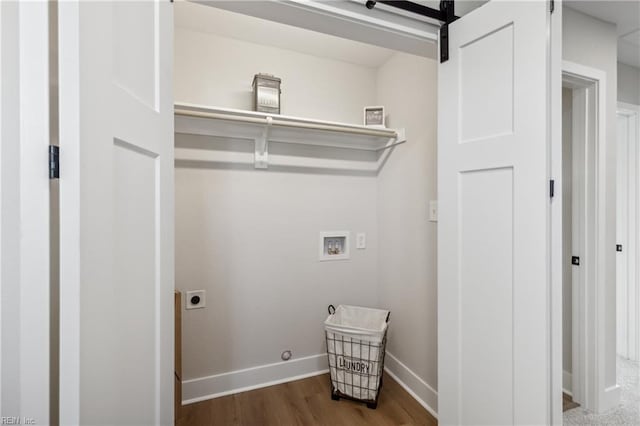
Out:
{"x": 446, "y": 15}
{"x": 283, "y": 122}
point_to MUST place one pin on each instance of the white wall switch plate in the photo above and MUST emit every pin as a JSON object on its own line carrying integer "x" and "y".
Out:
{"x": 433, "y": 211}
{"x": 361, "y": 240}
{"x": 196, "y": 299}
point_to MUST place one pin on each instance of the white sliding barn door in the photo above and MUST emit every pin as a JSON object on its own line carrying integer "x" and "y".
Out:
{"x": 116, "y": 212}
{"x": 494, "y": 331}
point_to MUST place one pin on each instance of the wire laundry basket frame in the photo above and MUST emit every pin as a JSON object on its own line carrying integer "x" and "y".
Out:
{"x": 356, "y": 366}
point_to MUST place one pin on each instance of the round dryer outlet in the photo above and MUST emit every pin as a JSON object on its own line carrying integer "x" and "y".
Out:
{"x": 195, "y": 299}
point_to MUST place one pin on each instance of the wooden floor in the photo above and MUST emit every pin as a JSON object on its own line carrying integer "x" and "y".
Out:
{"x": 567, "y": 403}
{"x": 306, "y": 402}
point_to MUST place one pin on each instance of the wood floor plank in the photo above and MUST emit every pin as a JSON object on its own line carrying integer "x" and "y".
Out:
{"x": 252, "y": 408}
{"x": 414, "y": 410}
{"x": 306, "y": 402}
{"x": 297, "y": 401}
{"x": 193, "y": 414}
{"x": 568, "y": 403}
{"x": 221, "y": 411}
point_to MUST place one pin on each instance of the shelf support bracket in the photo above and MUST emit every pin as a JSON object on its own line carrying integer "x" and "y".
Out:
{"x": 261, "y": 156}
{"x": 400, "y": 138}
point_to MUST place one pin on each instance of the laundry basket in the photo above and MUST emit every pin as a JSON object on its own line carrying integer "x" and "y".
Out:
{"x": 356, "y": 341}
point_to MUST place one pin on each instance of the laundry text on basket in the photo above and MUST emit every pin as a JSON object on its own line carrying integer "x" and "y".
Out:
{"x": 353, "y": 365}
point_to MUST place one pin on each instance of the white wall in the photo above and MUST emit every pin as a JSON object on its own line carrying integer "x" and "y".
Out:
{"x": 628, "y": 84}
{"x": 215, "y": 70}
{"x": 250, "y": 238}
{"x": 567, "y": 239}
{"x": 407, "y": 87}
{"x": 593, "y": 43}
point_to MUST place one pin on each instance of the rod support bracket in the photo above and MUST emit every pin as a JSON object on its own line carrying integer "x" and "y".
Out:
{"x": 400, "y": 138}
{"x": 261, "y": 155}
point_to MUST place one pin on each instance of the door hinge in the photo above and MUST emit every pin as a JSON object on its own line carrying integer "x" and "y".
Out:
{"x": 552, "y": 188}
{"x": 54, "y": 162}
{"x": 552, "y": 6}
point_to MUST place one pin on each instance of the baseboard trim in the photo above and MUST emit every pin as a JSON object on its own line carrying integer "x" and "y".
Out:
{"x": 611, "y": 398}
{"x": 412, "y": 383}
{"x": 567, "y": 383}
{"x": 218, "y": 385}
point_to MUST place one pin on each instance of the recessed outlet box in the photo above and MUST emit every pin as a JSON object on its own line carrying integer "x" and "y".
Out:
{"x": 334, "y": 245}
{"x": 196, "y": 299}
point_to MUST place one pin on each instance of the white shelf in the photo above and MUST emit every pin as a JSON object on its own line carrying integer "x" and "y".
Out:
{"x": 263, "y": 128}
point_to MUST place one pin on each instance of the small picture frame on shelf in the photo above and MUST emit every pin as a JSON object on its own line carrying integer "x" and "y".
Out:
{"x": 374, "y": 116}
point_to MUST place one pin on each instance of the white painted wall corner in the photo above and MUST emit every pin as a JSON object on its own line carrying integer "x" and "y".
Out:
{"x": 412, "y": 383}
{"x": 567, "y": 381}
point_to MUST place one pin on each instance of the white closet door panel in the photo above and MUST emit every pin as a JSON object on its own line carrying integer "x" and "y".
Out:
{"x": 493, "y": 258}
{"x": 116, "y": 184}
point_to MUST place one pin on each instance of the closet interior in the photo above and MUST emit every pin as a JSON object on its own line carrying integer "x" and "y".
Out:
{"x": 279, "y": 215}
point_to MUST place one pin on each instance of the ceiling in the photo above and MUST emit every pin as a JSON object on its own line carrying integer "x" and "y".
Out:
{"x": 196, "y": 17}
{"x": 626, "y": 16}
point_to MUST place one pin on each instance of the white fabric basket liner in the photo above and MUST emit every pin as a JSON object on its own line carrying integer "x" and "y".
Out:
{"x": 361, "y": 323}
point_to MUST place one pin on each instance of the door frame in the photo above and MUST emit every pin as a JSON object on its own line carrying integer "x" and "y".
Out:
{"x": 588, "y": 300}
{"x": 24, "y": 212}
{"x": 631, "y": 311}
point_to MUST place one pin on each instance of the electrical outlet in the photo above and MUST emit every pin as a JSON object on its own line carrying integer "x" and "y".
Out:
{"x": 196, "y": 299}
{"x": 361, "y": 241}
